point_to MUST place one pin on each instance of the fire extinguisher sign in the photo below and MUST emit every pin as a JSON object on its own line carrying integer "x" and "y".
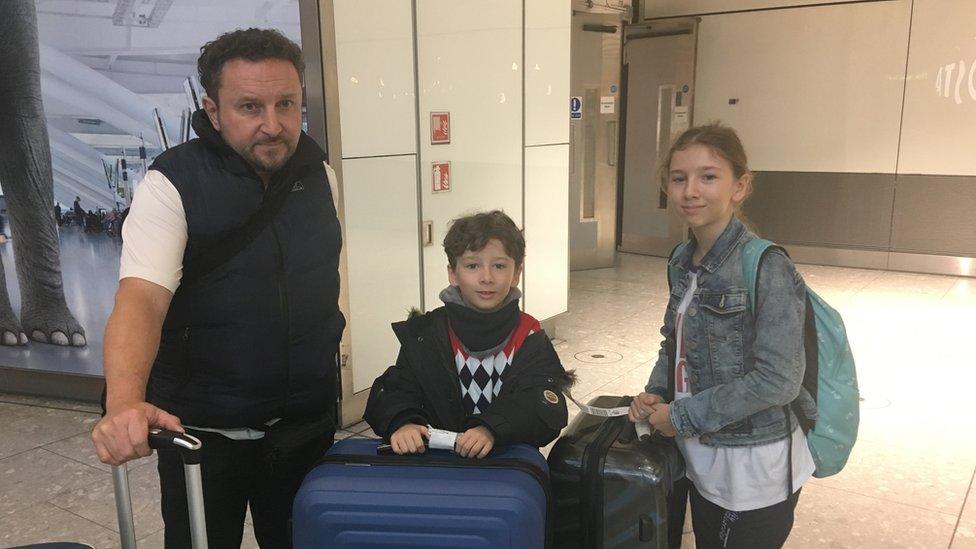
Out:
{"x": 441, "y": 176}
{"x": 440, "y": 128}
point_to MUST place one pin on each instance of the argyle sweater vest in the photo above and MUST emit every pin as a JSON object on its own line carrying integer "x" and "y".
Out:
{"x": 481, "y": 379}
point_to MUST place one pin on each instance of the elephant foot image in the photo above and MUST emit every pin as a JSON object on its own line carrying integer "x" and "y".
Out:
{"x": 27, "y": 178}
{"x": 11, "y": 332}
{"x": 51, "y": 323}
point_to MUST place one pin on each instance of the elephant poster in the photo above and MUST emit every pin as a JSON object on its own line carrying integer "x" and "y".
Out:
{"x": 91, "y": 92}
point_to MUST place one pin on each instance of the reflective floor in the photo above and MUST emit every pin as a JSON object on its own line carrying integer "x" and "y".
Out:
{"x": 909, "y": 482}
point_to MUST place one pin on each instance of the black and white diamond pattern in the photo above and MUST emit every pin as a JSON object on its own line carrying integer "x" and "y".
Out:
{"x": 480, "y": 379}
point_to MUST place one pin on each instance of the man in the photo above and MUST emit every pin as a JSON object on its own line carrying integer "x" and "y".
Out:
{"x": 226, "y": 320}
{"x": 79, "y": 211}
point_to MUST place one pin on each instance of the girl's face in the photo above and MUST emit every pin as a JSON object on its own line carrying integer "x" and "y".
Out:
{"x": 704, "y": 189}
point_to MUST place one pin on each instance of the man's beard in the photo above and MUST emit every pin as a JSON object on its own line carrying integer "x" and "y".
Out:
{"x": 267, "y": 163}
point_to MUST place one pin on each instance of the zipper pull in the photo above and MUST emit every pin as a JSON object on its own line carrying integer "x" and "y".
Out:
{"x": 721, "y": 302}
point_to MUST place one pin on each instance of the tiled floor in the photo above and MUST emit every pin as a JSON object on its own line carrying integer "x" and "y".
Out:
{"x": 909, "y": 482}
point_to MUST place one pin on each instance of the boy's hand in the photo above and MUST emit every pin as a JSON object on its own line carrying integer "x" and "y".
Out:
{"x": 661, "y": 420}
{"x": 642, "y": 406}
{"x": 409, "y": 439}
{"x": 475, "y": 442}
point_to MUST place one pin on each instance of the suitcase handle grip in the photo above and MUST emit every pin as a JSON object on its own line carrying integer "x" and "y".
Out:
{"x": 190, "y": 450}
{"x": 189, "y": 446}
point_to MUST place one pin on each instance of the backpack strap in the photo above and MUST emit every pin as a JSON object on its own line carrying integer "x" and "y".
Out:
{"x": 752, "y": 254}
{"x": 224, "y": 249}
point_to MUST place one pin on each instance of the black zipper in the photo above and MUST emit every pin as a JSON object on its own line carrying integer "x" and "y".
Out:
{"x": 425, "y": 461}
{"x": 185, "y": 366}
{"x": 283, "y": 303}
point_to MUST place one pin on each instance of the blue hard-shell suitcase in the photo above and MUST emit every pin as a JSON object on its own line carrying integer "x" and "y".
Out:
{"x": 355, "y": 498}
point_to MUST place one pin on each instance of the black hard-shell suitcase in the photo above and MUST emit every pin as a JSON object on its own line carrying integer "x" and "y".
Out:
{"x": 611, "y": 488}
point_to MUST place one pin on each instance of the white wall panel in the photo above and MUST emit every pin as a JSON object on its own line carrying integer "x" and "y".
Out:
{"x": 547, "y": 30}
{"x": 546, "y": 280}
{"x": 818, "y": 89}
{"x": 384, "y": 261}
{"x": 674, "y": 8}
{"x": 470, "y": 64}
{"x": 374, "y": 46}
{"x": 940, "y": 99}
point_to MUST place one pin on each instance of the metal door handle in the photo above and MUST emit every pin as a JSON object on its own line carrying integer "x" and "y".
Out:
{"x": 573, "y": 145}
{"x": 612, "y": 142}
{"x": 427, "y": 233}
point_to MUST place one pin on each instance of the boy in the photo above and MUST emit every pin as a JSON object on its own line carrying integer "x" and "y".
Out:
{"x": 477, "y": 366}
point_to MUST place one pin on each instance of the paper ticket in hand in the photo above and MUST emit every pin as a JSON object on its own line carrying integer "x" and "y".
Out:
{"x": 441, "y": 439}
{"x": 642, "y": 427}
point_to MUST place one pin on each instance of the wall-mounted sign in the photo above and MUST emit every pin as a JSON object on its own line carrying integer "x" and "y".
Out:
{"x": 440, "y": 128}
{"x": 440, "y": 173}
{"x": 952, "y": 81}
{"x": 576, "y": 108}
{"x": 607, "y": 104}
{"x": 680, "y": 121}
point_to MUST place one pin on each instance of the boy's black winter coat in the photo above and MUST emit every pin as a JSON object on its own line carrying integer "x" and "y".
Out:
{"x": 423, "y": 387}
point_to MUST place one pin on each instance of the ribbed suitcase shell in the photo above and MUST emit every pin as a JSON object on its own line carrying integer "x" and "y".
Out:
{"x": 610, "y": 488}
{"x": 356, "y": 499}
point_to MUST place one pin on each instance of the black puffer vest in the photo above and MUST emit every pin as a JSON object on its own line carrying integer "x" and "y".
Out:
{"x": 256, "y": 338}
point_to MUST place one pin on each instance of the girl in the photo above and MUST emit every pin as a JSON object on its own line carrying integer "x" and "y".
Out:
{"x": 725, "y": 373}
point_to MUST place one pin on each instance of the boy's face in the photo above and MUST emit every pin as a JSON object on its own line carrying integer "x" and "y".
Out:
{"x": 485, "y": 276}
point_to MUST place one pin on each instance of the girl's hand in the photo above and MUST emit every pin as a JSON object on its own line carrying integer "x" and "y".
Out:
{"x": 409, "y": 439}
{"x": 642, "y": 406}
{"x": 661, "y": 420}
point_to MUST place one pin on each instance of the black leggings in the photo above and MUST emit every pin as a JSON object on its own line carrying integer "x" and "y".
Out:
{"x": 763, "y": 528}
{"x": 716, "y": 527}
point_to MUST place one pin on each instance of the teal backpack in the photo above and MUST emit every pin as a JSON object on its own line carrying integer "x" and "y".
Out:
{"x": 830, "y": 377}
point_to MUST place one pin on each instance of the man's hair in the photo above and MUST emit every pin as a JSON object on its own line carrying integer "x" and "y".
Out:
{"x": 250, "y": 44}
{"x": 472, "y": 232}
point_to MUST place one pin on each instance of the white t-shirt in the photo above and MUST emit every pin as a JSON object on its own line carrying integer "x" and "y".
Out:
{"x": 154, "y": 233}
{"x": 154, "y": 237}
{"x": 735, "y": 478}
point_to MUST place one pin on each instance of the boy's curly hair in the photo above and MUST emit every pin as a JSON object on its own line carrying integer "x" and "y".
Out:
{"x": 472, "y": 232}
{"x": 250, "y": 44}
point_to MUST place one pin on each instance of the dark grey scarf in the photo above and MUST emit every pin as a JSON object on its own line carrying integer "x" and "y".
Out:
{"x": 478, "y": 331}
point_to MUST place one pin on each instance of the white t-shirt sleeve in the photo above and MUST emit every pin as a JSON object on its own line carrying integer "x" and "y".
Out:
{"x": 154, "y": 233}
{"x": 331, "y": 176}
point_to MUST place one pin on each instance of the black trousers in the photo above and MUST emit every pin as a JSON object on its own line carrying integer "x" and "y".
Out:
{"x": 716, "y": 527}
{"x": 264, "y": 474}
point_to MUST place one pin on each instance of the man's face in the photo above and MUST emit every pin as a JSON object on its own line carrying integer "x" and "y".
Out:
{"x": 260, "y": 111}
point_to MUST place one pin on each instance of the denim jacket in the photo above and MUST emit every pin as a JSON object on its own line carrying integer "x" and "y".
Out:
{"x": 744, "y": 367}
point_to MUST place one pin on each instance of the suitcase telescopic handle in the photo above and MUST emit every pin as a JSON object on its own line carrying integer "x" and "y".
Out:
{"x": 189, "y": 448}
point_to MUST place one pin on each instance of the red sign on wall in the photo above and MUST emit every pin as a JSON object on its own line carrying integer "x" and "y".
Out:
{"x": 440, "y": 128}
{"x": 441, "y": 176}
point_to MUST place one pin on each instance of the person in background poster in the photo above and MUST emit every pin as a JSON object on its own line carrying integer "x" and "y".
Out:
{"x": 79, "y": 212}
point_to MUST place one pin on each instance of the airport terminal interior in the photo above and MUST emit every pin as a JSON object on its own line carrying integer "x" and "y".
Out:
{"x": 857, "y": 117}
